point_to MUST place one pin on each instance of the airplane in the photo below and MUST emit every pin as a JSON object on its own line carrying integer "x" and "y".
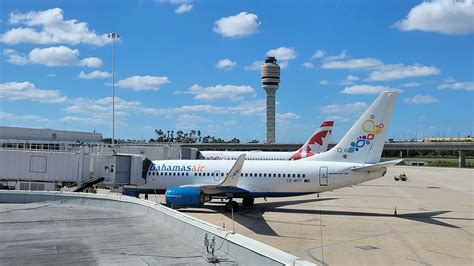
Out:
{"x": 317, "y": 143}
{"x": 355, "y": 159}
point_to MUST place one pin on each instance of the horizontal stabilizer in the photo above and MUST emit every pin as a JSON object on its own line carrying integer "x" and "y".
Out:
{"x": 377, "y": 166}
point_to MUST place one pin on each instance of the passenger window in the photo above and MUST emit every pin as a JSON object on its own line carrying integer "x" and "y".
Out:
{"x": 208, "y": 174}
{"x": 212, "y": 174}
{"x": 298, "y": 175}
{"x": 304, "y": 175}
{"x": 264, "y": 175}
{"x": 283, "y": 175}
{"x": 279, "y": 175}
{"x": 274, "y": 175}
{"x": 195, "y": 174}
{"x": 250, "y": 174}
{"x": 293, "y": 175}
{"x": 187, "y": 174}
{"x": 259, "y": 175}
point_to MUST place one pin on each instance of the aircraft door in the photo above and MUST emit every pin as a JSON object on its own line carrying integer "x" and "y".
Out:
{"x": 218, "y": 176}
{"x": 323, "y": 176}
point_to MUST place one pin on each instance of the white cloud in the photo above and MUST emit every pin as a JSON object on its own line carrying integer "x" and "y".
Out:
{"x": 366, "y": 89}
{"x": 14, "y": 117}
{"x": 362, "y": 63}
{"x": 28, "y": 91}
{"x": 91, "y": 62}
{"x": 14, "y": 57}
{"x": 308, "y": 65}
{"x": 340, "y": 56}
{"x": 421, "y": 99}
{"x": 54, "y": 56}
{"x": 49, "y": 27}
{"x": 337, "y": 118}
{"x": 287, "y": 117}
{"x": 51, "y": 57}
{"x": 102, "y": 108}
{"x": 51, "y": 75}
{"x": 349, "y": 80}
{"x": 191, "y": 121}
{"x": 255, "y": 66}
{"x": 240, "y": 25}
{"x": 446, "y": 17}
{"x": 184, "y": 8}
{"x": 400, "y": 71}
{"x": 141, "y": 83}
{"x": 319, "y": 53}
{"x": 352, "y": 78}
{"x": 323, "y": 82}
{"x": 469, "y": 86}
{"x": 94, "y": 75}
{"x": 225, "y": 64}
{"x": 344, "y": 108}
{"x": 85, "y": 120}
{"x": 283, "y": 55}
{"x": 231, "y": 92}
{"x": 411, "y": 84}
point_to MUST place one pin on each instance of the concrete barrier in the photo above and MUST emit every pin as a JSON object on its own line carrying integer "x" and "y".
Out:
{"x": 245, "y": 250}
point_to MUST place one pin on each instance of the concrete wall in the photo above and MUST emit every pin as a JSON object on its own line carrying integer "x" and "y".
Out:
{"x": 241, "y": 248}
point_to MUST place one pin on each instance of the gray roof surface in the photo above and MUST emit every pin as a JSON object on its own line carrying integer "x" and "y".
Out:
{"x": 49, "y": 233}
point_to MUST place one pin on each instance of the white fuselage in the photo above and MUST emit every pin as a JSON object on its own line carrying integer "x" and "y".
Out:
{"x": 249, "y": 155}
{"x": 260, "y": 178}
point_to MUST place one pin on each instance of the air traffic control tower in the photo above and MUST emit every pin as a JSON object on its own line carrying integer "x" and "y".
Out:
{"x": 270, "y": 82}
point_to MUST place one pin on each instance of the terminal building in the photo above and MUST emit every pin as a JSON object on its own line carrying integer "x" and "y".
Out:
{"x": 45, "y": 139}
{"x": 48, "y": 159}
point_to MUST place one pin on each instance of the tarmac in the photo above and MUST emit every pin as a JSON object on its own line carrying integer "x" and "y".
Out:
{"x": 48, "y": 233}
{"x": 433, "y": 223}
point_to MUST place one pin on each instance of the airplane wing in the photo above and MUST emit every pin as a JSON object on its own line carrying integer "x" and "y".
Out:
{"x": 377, "y": 166}
{"x": 229, "y": 184}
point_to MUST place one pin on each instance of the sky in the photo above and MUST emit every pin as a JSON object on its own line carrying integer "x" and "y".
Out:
{"x": 184, "y": 64}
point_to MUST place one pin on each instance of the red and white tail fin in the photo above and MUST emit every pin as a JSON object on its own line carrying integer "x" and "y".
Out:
{"x": 317, "y": 143}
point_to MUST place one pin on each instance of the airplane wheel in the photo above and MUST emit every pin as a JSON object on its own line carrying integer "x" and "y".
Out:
{"x": 248, "y": 202}
{"x": 232, "y": 205}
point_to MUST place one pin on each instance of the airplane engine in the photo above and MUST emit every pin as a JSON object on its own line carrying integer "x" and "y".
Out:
{"x": 184, "y": 197}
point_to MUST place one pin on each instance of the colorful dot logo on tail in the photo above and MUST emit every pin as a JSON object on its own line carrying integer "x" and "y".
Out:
{"x": 371, "y": 128}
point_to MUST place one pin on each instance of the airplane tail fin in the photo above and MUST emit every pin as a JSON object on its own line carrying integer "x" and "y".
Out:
{"x": 363, "y": 143}
{"x": 317, "y": 143}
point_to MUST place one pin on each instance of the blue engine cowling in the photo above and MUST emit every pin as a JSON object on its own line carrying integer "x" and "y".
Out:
{"x": 184, "y": 197}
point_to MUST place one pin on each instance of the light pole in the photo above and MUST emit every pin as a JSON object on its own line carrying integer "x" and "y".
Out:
{"x": 113, "y": 36}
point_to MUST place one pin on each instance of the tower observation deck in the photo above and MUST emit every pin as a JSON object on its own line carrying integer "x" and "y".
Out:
{"x": 270, "y": 82}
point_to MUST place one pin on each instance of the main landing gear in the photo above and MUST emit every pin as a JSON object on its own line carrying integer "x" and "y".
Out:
{"x": 248, "y": 202}
{"x": 232, "y": 205}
